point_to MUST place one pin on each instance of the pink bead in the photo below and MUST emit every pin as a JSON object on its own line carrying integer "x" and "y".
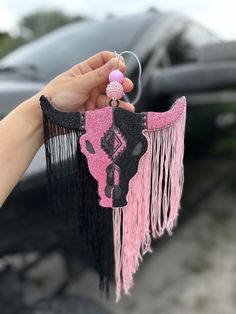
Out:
{"x": 115, "y": 89}
{"x": 117, "y": 76}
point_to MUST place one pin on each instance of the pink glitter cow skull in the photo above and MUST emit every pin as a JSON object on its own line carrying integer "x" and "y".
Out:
{"x": 114, "y": 143}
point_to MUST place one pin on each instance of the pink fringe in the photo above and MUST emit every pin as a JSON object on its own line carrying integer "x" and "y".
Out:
{"x": 160, "y": 173}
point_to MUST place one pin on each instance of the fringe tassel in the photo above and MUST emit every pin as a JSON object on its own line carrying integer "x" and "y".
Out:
{"x": 153, "y": 201}
{"x": 61, "y": 165}
{"x": 73, "y": 195}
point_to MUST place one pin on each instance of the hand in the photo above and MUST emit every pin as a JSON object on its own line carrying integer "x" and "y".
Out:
{"x": 83, "y": 86}
{"x": 80, "y": 88}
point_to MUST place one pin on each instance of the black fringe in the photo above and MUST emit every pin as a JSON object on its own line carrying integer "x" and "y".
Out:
{"x": 73, "y": 195}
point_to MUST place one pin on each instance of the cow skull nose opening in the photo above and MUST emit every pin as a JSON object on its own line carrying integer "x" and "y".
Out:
{"x": 108, "y": 190}
{"x": 113, "y": 191}
{"x": 112, "y": 188}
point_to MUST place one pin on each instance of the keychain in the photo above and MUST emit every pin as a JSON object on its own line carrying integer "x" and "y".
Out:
{"x": 118, "y": 174}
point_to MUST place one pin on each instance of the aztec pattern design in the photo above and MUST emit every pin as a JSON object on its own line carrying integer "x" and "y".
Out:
{"x": 113, "y": 145}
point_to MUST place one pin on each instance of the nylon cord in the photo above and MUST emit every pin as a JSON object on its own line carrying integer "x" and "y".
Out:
{"x": 136, "y": 99}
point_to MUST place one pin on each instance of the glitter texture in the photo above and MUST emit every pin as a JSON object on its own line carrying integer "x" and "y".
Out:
{"x": 113, "y": 142}
{"x": 115, "y": 89}
{"x": 97, "y": 122}
{"x": 157, "y": 120}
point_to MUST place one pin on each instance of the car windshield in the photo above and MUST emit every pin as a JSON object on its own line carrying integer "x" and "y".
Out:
{"x": 61, "y": 49}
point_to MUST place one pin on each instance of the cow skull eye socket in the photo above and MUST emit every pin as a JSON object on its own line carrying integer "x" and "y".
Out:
{"x": 137, "y": 149}
{"x": 89, "y": 147}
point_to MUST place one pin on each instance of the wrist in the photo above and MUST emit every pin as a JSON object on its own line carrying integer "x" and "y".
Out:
{"x": 31, "y": 113}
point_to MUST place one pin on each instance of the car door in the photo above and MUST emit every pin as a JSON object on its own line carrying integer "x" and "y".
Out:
{"x": 210, "y": 141}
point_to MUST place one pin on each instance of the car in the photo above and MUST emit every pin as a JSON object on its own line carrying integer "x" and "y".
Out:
{"x": 178, "y": 57}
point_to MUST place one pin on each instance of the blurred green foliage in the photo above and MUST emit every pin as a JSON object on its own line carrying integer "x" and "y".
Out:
{"x": 33, "y": 26}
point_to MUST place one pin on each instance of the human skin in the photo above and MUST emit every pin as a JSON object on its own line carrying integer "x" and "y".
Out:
{"x": 80, "y": 88}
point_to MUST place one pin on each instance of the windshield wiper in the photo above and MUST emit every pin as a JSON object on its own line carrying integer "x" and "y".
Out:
{"x": 29, "y": 70}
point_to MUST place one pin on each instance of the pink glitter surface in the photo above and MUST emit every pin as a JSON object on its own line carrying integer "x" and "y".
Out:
{"x": 97, "y": 122}
{"x": 157, "y": 120}
{"x": 115, "y": 89}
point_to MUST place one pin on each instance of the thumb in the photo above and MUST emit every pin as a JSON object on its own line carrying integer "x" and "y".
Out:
{"x": 100, "y": 75}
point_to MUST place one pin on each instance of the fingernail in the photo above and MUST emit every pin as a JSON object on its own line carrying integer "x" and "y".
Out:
{"x": 122, "y": 60}
{"x": 123, "y": 63}
{"x": 112, "y": 63}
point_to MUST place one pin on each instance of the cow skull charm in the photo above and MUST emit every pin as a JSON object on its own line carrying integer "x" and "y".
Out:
{"x": 119, "y": 174}
{"x": 113, "y": 143}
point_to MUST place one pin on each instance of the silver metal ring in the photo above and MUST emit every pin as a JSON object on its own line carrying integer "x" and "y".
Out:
{"x": 117, "y": 102}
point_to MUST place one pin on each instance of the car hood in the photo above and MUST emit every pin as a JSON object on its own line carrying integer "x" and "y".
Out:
{"x": 13, "y": 92}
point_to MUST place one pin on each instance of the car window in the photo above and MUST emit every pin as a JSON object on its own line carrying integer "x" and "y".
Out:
{"x": 182, "y": 47}
{"x": 58, "y": 51}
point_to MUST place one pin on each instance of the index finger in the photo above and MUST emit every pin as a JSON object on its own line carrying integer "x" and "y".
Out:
{"x": 99, "y": 59}
{"x": 94, "y": 62}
